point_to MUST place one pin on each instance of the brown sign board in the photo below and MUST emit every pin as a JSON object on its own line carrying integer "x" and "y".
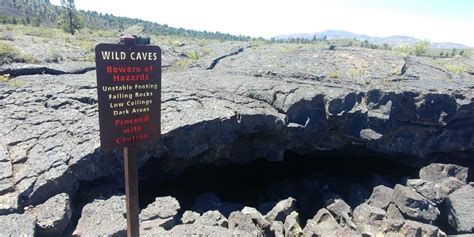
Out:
{"x": 129, "y": 94}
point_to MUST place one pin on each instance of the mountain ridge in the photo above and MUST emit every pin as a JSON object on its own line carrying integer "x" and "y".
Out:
{"x": 393, "y": 40}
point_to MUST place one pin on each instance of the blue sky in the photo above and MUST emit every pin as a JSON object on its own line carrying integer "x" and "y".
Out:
{"x": 435, "y": 20}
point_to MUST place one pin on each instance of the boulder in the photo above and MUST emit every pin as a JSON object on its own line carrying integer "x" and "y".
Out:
{"x": 437, "y": 172}
{"x": 189, "y": 217}
{"x": 413, "y": 228}
{"x": 435, "y": 192}
{"x": 103, "y": 217}
{"x": 282, "y": 209}
{"x": 292, "y": 225}
{"x": 242, "y": 223}
{"x": 212, "y": 218}
{"x": 277, "y": 229}
{"x": 460, "y": 207}
{"x": 394, "y": 213}
{"x": 53, "y": 216}
{"x": 258, "y": 219}
{"x": 323, "y": 223}
{"x": 381, "y": 197}
{"x": 413, "y": 205}
{"x": 342, "y": 212}
{"x": 396, "y": 227}
{"x": 366, "y": 213}
{"x": 162, "y": 212}
{"x": 17, "y": 225}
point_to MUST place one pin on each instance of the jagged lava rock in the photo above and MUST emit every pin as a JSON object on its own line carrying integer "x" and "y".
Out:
{"x": 292, "y": 225}
{"x": 281, "y": 210}
{"x": 189, "y": 217}
{"x": 435, "y": 192}
{"x": 212, "y": 218}
{"x": 381, "y": 197}
{"x": 162, "y": 212}
{"x": 242, "y": 223}
{"x": 323, "y": 223}
{"x": 53, "y": 216}
{"x": 103, "y": 217}
{"x": 17, "y": 225}
{"x": 437, "y": 172}
{"x": 413, "y": 205}
{"x": 460, "y": 206}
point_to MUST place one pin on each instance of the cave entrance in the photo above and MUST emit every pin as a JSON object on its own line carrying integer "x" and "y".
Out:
{"x": 351, "y": 172}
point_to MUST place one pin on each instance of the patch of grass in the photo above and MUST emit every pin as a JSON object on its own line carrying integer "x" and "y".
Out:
{"x": 194, "y": 55}
{"x": 54, "y": 56}
{"x": 456, "y": 69}
{"x": 333, "y": 74}
{"x": 4, "y": 78}
{"x": 182, "y": 63}
{"x": 357, "y": 72}
{"x": 8, "y": 54}
{"x": 257, "y": 42}
{"x": 12, "y": 83}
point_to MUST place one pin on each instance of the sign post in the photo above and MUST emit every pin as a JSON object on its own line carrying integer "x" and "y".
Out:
{"x": 129, "y": 100}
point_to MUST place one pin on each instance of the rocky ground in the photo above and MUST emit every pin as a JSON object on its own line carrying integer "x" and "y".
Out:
{"x": 235, "y": 102}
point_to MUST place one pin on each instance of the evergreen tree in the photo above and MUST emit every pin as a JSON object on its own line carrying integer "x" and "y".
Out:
{"x": 453, "y": 52}
{"x": 70, "y": 21}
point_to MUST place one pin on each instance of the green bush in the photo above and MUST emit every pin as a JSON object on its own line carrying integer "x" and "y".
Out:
{"x": 333, "y": 75}
{"x": 403, "y": 50}
{"x": 194, "y": 55}
{"x": 421, "y": 47}
{"x": 456, "y": 69}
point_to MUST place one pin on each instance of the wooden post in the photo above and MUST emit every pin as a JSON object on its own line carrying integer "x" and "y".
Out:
{"x": 131, "y": 190}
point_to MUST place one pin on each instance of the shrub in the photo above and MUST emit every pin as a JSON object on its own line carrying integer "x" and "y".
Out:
{"x": 456, "y": 69}
{"x": 54, "y": 56}
{"x": 421, "y": 47}
{"x": 403, "y": 50}
{"x": 333, "y": 74}
{"x": 194, "y": 55}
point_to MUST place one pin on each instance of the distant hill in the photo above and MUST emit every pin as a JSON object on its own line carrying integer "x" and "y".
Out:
{"x": 391, "y": 40}
{"x": 43, "y": 13}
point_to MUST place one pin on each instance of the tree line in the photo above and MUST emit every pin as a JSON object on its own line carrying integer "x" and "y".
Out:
{"x": 67, "y": 17}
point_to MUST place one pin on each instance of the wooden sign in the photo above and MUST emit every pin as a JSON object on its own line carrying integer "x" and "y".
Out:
{"x": 129, "y": 94}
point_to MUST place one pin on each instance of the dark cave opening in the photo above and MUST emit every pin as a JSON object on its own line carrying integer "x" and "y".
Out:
{"x": 349, "y": 172}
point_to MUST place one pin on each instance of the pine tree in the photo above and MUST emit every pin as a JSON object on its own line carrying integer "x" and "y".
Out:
{"x": 70, "y": 21}
{"x": 453, "y": 52}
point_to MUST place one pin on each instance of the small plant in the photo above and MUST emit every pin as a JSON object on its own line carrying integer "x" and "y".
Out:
{"x": 54, "y": 56}
{"x": 4, "y": 78}
{"x": 12, "y": 83}
{"x": 333, "y": 74}
{"x": 194, "y": 55}
{"x": 183, "y": 63}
